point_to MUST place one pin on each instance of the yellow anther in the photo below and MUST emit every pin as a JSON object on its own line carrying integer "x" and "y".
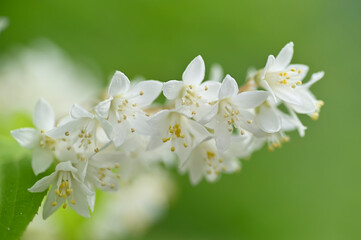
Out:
{"x": 243, "y": 132}
{"x": 212, "y": 103}
{"x": 42, "y": 131}
{"x": 132, "y": 129}
{"x": 57, "y": 192}
{"x": 141, "y": 93}
{"x": 249, "y": 121}
{"x": 82, "y": 131}
{"x": 209, "y": 171}
{"x": 54, "y": 204}
{"x": 185, "y": 144}
{"x": 197, "y": 104}
{"x": 320, "y": 103}
{"x": 270, "y": 149}
{"x": 299, "y": 71}
{"x": 118, "y": 176}
{"x": 64, "y": 205}
{"x": 73, "y": 202}
{"x": 182, "y": 136}
{"x": 220, "y": 160}
{"x": 125, "y": 117}
{"x": 67, "y": 133}
{"x": 103, "y": 184}
{"x": 96, "y": 150}
{"x": 285, "y": 139}
{"x": 224, "y": 168}
{"x": 293, "y": 86}
{"x": 172, "y": 148}
{"x": 193, "y": 112}
{"x": 217, "y": 172}
{"x": 165, "y": 139}
{"x": 112, "y": 186}
{"x": 80, "y": 135}
{"x": 299, "y": 82}
{"x": 315, "y": 116}
{"x": 89, "y": 141}
{"x": 119, "y": 121}
{"x": 205, "y": 88}
{"x": 210, "y": 154}
{"x": 82, "y": 158}
{"x": 293, "y": 69}
{"x": 116, "y": 165}
{"x": 69, "y": 191}
{"x": 147, "y": 114}
{"x": 134, "y": 104}
{"x": 190, "y": 87}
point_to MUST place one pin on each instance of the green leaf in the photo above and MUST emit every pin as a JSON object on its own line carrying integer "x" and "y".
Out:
{"x": 17, "y": 206}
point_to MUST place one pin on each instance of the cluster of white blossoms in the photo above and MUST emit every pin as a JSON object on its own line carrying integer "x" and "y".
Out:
{"x": 209, "y": 125}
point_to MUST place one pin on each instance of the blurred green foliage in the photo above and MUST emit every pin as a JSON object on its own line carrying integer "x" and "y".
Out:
{"x": 310, "y": 189}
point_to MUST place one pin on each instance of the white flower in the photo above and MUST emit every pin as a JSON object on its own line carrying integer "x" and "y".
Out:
{"x": 133, "y": 158}
{"x": 123, "y": 108}
{"x": 287, "y": 123}
{"x": 282, "y": 79}
{"x": 66, "y": 187}
{"x": 177, "y": 131}
{"x": 231, "y": 111}
{"x": 100, "y": 174}
{"x": 191, "y": 95}
{"x": 206, "y": 160}
{"x": 311, "y": 105}
{"x": 36, "y": 139}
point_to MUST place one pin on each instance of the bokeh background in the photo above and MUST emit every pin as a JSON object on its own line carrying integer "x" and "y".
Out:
{"x": 309, "y": 189}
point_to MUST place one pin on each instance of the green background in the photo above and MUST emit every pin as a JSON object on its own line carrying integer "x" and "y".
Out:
{"x": 309, "y": 189}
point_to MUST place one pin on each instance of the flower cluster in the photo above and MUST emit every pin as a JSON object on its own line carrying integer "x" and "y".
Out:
{"x": 209, "y": 125}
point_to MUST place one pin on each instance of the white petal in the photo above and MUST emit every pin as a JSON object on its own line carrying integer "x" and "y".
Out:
{"x": 66, "y": 166}
{"x": 216, "y": 73}
{"x": 43, "y": 116}
{"x": 77, "y": 111}
{"x": 250, "y": 99}
{"x": 269, "y": 64}
{"x": 314, "y": 78}
{"x": 44, "y": 183}
{"x": 91, "y": 202}
{"x": 307, "y": 105}
{"x": 287, "y": 94}
{"x": 194, "y": 73}
{"x": 42, "y": 159}
{"x": 172, "y": 89}
{"x": 71, "y": 126}
{"x": 119, "y": 84}
{"x": 284, "y": 58}
{"x": 102, "y": 109}
{"x": 222, "y": 136}
{"x": 199, "y": 132}
{"x": 300, "y": 127}
{"x": 303, "y": 72}
{"x": 195, "y": 165}
{"x": 107, "y": 127}
{"x": 158, "y": 119}
{"x": 212, "y": 90}
{"x": 267, "y": 87}
{"x": 48, "y": 208}
{"x": 268, "y": 120}
{"x": 145, "y": 92}
{"x": 210, "y": 114}
{"x": 81, "y": 201}
{"x": 140, "y": 124}
{"x": 26, "y": 137}
{"x": 120, "y": 134}
{"x": 229, "y": 88}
